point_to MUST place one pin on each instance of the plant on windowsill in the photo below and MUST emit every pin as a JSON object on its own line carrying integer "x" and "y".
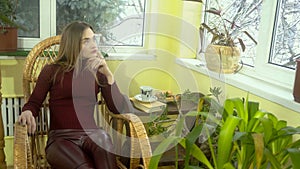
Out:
{"x": 8, "y": 25}
{"x": 228, "y": 29}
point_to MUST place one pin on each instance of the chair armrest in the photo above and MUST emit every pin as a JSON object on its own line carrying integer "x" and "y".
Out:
{"x": 140, "y": 144}
{"x": 22, "y": 152}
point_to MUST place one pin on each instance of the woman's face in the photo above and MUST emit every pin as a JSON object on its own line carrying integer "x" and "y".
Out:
{"x": 89, "y": 46}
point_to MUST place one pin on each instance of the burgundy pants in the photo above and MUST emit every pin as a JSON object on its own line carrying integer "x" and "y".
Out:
{"x": 78, "y": 149}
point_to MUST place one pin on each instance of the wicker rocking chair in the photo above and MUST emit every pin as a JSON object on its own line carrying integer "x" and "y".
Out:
{"x": 29, "y": 150}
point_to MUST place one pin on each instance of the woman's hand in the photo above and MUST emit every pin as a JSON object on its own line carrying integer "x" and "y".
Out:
{"x": 99, "y": 64}
{"x": 26, "y": 117}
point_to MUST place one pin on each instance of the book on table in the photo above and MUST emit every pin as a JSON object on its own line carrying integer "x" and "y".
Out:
{"x": 149, "y": 107}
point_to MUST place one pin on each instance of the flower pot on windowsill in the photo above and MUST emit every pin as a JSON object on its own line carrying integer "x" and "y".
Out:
{"x": 222, "y": 59}
{"x": 9, "y": 39}
{"x": 296, "y": 91}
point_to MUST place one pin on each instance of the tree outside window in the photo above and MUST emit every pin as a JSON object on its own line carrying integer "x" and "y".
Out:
{"x": 286, "y": 42}
{"x": 120, "y": 22}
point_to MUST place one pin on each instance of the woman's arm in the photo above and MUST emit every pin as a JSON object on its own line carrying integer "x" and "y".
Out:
{"x": 31, "y": 109}
{"x": 99, "y": 64}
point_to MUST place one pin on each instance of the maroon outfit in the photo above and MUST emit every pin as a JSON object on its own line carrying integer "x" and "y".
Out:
{"x": 75, "y": 141}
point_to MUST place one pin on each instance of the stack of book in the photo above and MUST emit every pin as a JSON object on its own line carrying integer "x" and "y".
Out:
{"x": 149, "y": 107}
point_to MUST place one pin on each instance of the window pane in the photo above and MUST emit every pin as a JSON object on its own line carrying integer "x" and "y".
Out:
{"x": 120, "y": 22}
{"x": 238, "y": 16}
{"x": 28, "y": 17}
{"x": 286, "y": 44}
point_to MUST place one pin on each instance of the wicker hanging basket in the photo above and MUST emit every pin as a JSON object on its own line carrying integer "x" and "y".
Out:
{"x": 222, "y": 59}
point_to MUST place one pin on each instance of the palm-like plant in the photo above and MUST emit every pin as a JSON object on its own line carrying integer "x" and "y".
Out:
{"x": 247, "y": 138}
{"x": 228, "y": 25}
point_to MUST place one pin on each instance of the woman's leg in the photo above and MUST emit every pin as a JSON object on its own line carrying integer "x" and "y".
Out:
{"x": 100, "y": 147}
{"x": 64, "y": 154}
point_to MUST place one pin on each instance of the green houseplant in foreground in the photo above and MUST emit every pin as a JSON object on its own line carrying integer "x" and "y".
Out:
{"x": 247, "y": 138}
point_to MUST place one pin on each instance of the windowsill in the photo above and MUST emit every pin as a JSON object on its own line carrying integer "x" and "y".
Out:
{"x": 269, "y": 91}
{"x": 126, "y": 56}
{"x": 112, "y": 56}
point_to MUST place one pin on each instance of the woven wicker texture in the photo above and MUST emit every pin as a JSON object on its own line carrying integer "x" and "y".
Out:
{"x": 22, "y": 153}
{"x": 45, "y": 52}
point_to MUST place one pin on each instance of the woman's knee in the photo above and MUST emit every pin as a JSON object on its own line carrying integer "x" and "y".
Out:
{"x": 100, "y": 138}
{"x": 63, "y": 153}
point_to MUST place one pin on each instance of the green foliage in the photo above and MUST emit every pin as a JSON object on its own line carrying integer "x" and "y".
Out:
{"x": 157, "y": 125}
{"x": 99, "y": 13}
{"x": 247, "y": 138}
{"x": 8, "y": 12}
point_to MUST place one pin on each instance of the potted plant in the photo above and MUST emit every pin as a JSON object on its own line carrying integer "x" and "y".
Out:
{"x": 8, "y": 26}
{"x": 228, "y": 28}
{"x": 245, "y": 137}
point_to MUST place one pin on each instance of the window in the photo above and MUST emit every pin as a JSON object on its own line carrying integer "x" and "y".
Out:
{"x": 275, "y": 25}
{"x": 120, "y": 22}
{"x": 286, "y": 42}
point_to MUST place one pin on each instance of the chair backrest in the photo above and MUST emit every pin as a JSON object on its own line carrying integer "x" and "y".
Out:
{"x": 46, "y": 52}
{"x": 41, "y": 54}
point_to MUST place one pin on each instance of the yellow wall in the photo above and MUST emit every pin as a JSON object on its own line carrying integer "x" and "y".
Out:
{"x": 11, "y": 75}
{"x": 168, "y": 42}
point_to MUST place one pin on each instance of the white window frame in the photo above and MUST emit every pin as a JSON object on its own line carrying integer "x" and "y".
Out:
{"x": 48, "y": 28}
{"x": 264, "y": 70}
{"x": 45, "y": 29}
{"x": 274, "y": 83}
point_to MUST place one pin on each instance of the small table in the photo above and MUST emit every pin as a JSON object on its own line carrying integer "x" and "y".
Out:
{"x": 168, "y": 158}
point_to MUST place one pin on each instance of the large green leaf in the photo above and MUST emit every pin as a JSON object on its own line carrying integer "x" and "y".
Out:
{"x": 286, "y": 132}
{"x": 268, "y": 128}
{"x": 272, "y": 159}
{"x": 161, "y": 148}
{"x": 225, "y": 140}
{"x": 259, "y": 147}
{"x": 253, "y": 107}
{"x": 237, "y": 105}
{"x": 295, "y": 156}
{"x": 190, "y": 140}
{"x": 254, "y": 122}
{"x": 198, "y": 154}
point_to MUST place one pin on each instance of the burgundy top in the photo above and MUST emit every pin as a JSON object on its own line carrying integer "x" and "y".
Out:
{"x": 73, "y": 98}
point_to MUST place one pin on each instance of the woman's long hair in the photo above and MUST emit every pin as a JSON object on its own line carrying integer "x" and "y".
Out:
{"x": 69, "y": 56}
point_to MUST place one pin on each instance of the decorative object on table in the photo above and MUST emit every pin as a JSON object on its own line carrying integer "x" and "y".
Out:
{"x": 165, "y": 96}
{"x": 140, "y": 98}
{"x": 148, "y": 107}
{"x": 296, "y": 90}
{"x": 222, "y": 54}
{"x": 8, "y": 26}
{"x": 146, "y": 93}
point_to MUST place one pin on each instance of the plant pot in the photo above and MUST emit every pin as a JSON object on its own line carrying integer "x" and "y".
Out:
{"x": 222, "y": 59}
{"x": 296, "y": 91}
{"x": 9, "y": 39}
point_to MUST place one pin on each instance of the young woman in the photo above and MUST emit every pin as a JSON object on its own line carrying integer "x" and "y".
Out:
{"x": 73, "y": 81}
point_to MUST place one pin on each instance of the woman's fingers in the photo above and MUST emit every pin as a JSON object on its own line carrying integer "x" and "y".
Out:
{"x": 32, "y": 125}
{"x": 96, "y": 63}
{"x": 26, "y": 118}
